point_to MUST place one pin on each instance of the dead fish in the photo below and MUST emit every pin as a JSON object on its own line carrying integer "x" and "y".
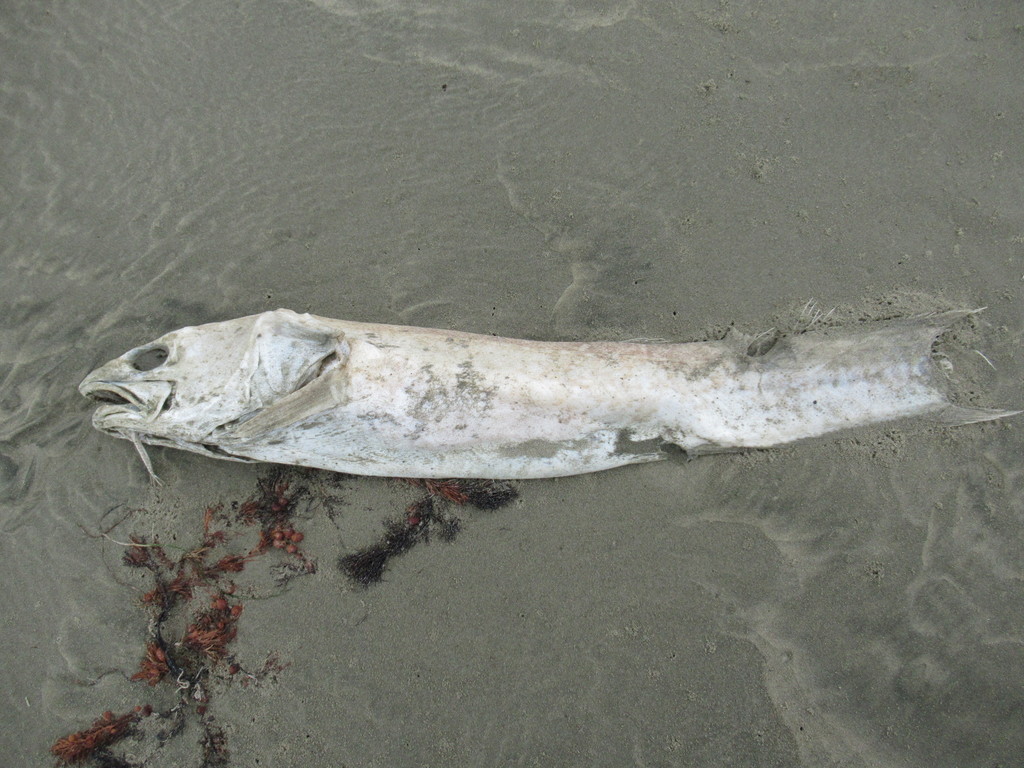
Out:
{"x": 374, "y": 399}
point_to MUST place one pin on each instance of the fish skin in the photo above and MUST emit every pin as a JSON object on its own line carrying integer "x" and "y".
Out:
{"x": 374, "y": 399}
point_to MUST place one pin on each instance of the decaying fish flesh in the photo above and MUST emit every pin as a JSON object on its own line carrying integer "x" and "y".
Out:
{"x": 390, "y": 400}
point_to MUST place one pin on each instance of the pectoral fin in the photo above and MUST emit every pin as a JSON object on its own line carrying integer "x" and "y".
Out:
{"x": 323, "y": 393}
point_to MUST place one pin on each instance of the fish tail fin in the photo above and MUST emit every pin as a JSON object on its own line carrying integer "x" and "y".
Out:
{"x": 954, "y": 413}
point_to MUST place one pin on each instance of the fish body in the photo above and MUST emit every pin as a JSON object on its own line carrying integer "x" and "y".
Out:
{"x": 376, "y": 399}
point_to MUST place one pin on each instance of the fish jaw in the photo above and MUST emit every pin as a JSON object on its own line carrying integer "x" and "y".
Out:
{"x": 125, "y": 408}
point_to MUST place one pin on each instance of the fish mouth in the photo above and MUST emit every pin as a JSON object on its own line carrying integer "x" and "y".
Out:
{"x": 139, "y": 402}
{"x": 105, "y": 392}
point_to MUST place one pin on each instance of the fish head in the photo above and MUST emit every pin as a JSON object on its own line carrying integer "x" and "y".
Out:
{"x": 188, "y": 386}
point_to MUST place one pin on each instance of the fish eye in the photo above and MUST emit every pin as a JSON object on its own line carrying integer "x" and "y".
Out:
{"x": 149, "y": 358}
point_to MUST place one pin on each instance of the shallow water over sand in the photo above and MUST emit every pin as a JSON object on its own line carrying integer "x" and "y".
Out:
{"x": 622, "y": 171}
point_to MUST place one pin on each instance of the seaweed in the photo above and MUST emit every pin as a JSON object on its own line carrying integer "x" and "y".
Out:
{"x": 200, "y": 650}
{"x": 482, "y": 494}
{"x": 203, "y": 649}
{"x": 423, "y": 519}
{"x": 93, "y": 741}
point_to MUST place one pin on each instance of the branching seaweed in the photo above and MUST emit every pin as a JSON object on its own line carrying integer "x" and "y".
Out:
{"x": 422, "y": 519}
{"x": 202, "y": 651}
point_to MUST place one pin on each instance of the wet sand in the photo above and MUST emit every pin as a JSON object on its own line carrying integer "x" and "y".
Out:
{"x": 614, "y": 171}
